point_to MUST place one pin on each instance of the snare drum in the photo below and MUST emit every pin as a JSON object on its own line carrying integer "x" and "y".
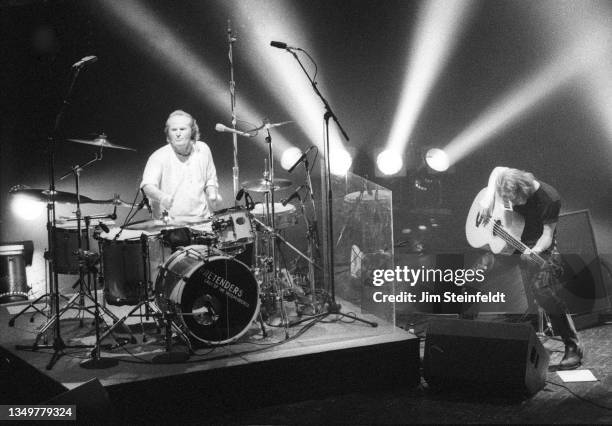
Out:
{"x": 284, "y": 216}
{"x": 215, "y": 298}
{"x": 125, "y": 255}
{"x": 233, "y": 227}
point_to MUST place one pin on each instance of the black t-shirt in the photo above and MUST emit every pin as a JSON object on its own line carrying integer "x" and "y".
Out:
{"x": 541, "y": 208}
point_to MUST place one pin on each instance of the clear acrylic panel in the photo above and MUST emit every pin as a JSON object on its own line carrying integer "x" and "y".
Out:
{"x": 362, "y": 235}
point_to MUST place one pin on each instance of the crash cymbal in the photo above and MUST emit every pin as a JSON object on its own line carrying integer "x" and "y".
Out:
{"x": 263, "y": 185}
{"x": 101, "y": 141}
{"x": 44, "y": 195}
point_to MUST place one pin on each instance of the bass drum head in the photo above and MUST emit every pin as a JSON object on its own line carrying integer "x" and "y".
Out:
{"x": 219, "y": 300}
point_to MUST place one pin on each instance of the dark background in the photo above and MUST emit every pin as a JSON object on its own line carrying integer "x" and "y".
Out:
{"x": 361, "y": 50}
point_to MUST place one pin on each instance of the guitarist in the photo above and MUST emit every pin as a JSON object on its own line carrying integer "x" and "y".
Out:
{"x": 539, "y": 204}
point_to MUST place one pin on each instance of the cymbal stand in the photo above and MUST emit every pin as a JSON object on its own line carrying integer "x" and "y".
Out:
{"x": 96, "y": 361}
{"x": 312, "y": 233}
{"x": 275, "y": 234}
{"x": 333, "y": 308}
{"x": 58, "y": 345}
{"x": 273, "y": 245}
{"x": 82, "y": 293}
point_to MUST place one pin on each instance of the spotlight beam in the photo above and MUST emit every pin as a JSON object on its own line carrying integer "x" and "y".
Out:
{"x": 177, "y": 57}
{"x": 439, "y": 24}
{"x": 520, "y": 100}
{"x": 563, "y": 21}
{"x": 278, "y": 70}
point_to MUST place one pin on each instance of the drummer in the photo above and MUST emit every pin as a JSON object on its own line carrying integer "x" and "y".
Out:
{"x": 180, "y": 178}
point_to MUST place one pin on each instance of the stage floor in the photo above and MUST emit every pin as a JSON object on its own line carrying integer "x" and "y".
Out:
{"x": 312, "y": 351}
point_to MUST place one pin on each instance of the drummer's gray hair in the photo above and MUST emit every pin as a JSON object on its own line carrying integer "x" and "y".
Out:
{"x": 195, "y": 130}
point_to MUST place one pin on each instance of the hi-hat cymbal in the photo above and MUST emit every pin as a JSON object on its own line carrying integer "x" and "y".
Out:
{"x": 264, "y": 185}
{"x": 101, "y": 141}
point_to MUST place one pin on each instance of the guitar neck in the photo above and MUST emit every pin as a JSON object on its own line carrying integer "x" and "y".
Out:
{"x": 499, "y": 230}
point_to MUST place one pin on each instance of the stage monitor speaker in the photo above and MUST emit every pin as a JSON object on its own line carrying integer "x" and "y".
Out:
{"x": 93, "y": 405}
{"x": 497, "y": 358}
{"x": 585, "y": 291}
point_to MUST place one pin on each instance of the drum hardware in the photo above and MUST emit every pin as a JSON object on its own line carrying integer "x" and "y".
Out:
{"x": 275, "y": 234}
{"x": 86, "y": 263}
{"x": 170, "y": 356}
{"x": 58, "y": 345}
{"x": 145, "y": 299}
{"x": 333, "y": 307}
{"x": 96, "y": 361}
{"x": 84, "y": 289}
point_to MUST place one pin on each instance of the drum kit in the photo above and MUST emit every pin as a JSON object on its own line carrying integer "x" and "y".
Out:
{"x": 205, "y": 278}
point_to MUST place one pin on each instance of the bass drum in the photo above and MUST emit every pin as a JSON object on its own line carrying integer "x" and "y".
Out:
{"x": 214, "y": 297}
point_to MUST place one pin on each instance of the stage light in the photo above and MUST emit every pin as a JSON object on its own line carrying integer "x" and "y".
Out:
{"x": 289, "y": 157}
{"x": 340, "y": 162}
{"x": 27, "y": 208}
{"x": 437, "y": 159}
{"x": 389, "y": 162}
{"x": 425, "y": 183}
{"x": 438, "y": 29}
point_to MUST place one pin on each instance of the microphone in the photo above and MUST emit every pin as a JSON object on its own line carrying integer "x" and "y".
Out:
{"x": 302, "y": 158}
{"x": 145, "y": 202}
{"x": 240, "y": 194}
{"x": 103, "y": 227}
{"x": 84, "y": 61}
{"x": 281, "y": 45}
{"x": 222, "y": 128}
{"x": 296, "y": 194}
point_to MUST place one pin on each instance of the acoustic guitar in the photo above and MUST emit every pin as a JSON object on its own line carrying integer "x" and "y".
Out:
{"x": 501, "y": 233}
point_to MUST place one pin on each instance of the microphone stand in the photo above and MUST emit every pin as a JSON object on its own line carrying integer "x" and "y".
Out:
{"x": 232, "y": 90}
{"x": 333, "y": 308}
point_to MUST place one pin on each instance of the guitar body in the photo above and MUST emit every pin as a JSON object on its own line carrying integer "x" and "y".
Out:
{"x": 480, "y": 233}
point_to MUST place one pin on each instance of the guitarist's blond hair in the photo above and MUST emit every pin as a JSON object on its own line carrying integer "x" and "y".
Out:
{"x": 513, "y": 182}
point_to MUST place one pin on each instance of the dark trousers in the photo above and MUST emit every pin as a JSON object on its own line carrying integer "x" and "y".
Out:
{"x": 544, "y": 289}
